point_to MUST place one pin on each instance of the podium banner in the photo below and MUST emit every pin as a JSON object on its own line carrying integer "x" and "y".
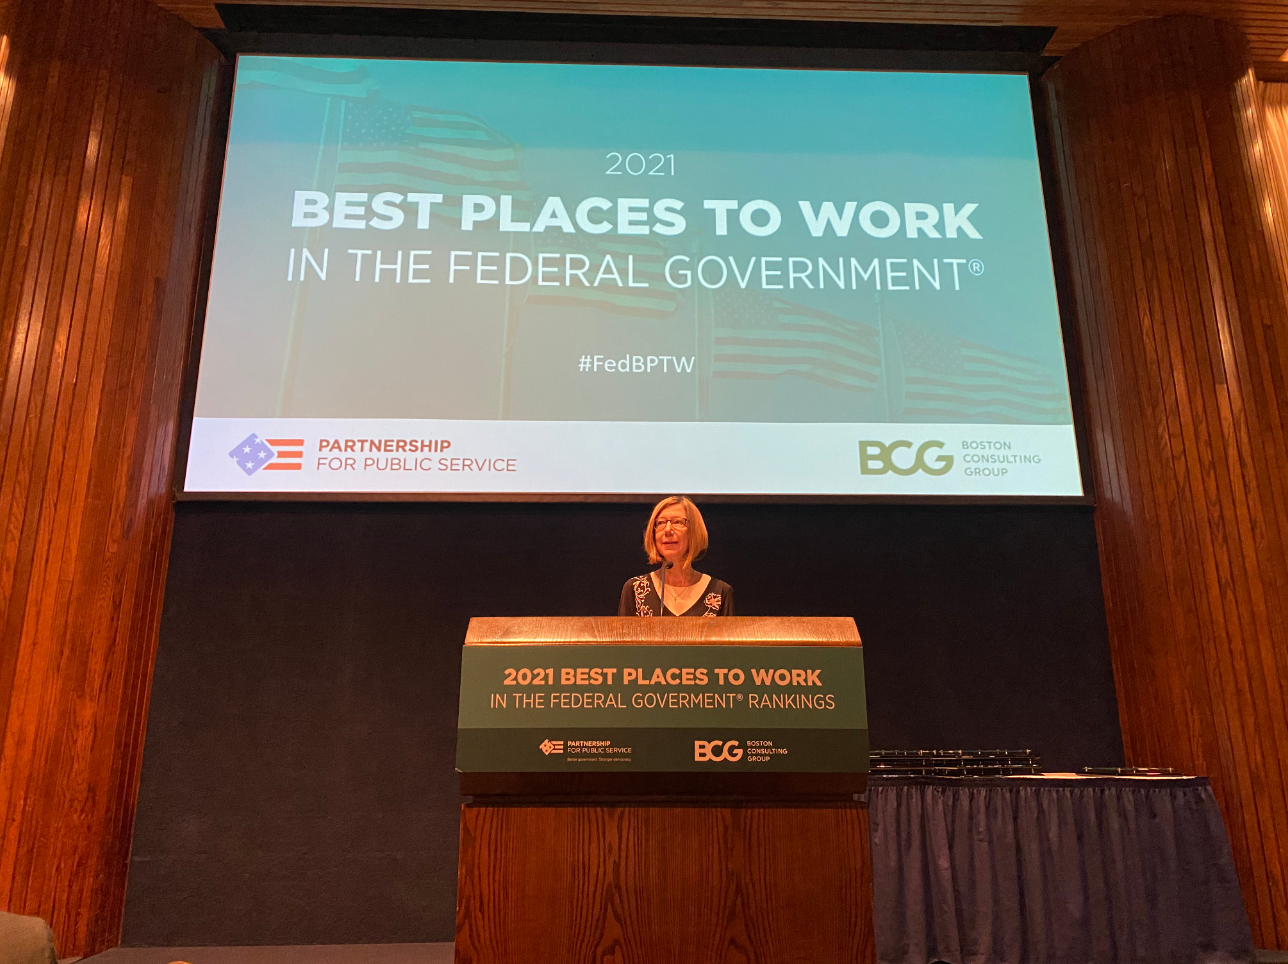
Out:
{"x": 662, "y": 708}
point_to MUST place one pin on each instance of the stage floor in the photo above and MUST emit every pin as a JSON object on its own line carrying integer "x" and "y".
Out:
{"x": 285, "y": 954}
{"x": 336, "y": 954}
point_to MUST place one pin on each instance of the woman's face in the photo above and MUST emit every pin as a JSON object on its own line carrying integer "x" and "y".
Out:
{"x": 671, "y": 533}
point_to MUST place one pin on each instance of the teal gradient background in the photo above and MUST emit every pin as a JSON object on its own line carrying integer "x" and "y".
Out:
{"x": 348, "y": 347}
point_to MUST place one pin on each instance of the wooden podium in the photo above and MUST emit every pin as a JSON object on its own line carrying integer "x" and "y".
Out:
{"x": 593, "y": 860}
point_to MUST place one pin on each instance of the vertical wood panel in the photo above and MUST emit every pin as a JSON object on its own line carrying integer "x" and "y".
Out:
{"x": 1176, "y": 237}
{"x": 1274, "y": 103}
{"x": 105, "y": 154}
{"x": 663, "y": 885}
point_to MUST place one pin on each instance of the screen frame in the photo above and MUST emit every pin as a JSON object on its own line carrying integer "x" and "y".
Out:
{"x": 482, "y": 36}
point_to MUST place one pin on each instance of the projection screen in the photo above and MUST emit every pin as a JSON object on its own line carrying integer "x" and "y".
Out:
{"x": 570, "y": 279}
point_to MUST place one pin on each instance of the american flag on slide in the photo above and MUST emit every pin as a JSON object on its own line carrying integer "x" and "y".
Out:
{"x": 762, "y": 337}
{"x": 292, "y": 73}
{"x": 387, "y": 146}
{"x": 280, "y": 454}
{"x": 613, "y": 262}
{"x": 949, "y": 379}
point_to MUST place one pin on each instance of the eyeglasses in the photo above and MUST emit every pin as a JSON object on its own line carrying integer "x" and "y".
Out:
{"x": 679, "y": 525}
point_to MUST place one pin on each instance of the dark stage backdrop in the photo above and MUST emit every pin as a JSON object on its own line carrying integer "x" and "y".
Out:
{"x": 297, "y": 779}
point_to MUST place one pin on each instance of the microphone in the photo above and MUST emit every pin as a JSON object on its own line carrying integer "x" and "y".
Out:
{"x": 665, "y": 566}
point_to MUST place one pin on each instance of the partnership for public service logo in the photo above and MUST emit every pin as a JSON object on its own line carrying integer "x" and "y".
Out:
{"x": 279, "y": 454}
{"x": 878, "y": 458}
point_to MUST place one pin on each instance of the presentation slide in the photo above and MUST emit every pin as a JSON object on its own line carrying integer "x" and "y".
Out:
{"x": 528, "y": 278}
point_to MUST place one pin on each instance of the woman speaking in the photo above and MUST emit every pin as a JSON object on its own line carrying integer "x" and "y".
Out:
{"x": 674, "y": 537}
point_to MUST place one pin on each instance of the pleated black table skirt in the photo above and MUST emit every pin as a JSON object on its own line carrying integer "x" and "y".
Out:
{"x": 1041, "y": 870}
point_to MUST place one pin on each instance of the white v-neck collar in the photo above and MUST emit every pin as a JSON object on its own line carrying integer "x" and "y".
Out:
{"x": 698, "y": 588}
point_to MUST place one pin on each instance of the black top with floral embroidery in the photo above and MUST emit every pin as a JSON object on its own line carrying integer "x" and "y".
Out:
{"x": 639, "y": 598}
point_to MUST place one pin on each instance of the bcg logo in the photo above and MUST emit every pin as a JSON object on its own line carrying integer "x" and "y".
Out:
{"x": 715, "y": 750}
{"x": 878, "y": 458}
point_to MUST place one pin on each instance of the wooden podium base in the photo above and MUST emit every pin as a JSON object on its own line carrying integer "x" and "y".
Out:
{"x": 649, "y": 884}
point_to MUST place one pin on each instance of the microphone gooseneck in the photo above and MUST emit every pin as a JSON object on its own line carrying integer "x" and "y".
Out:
{"x": 665, "y": 566}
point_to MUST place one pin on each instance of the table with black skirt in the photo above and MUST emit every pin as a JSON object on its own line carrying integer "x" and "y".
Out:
{"x": 1052, "y": 870}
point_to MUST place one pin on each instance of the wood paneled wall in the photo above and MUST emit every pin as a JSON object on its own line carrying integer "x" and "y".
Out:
{"x": 1182, "y": 317}
{"x": 104, "y": 163}
{"x": 1274, "y": 99}
{"x": 1274, "y": 105}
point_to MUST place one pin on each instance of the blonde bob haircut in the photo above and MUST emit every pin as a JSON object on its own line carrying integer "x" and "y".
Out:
{"x": 697, "y": 529}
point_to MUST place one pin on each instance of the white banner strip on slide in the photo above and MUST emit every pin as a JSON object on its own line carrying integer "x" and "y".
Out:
{"x": 365, "y": 455}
